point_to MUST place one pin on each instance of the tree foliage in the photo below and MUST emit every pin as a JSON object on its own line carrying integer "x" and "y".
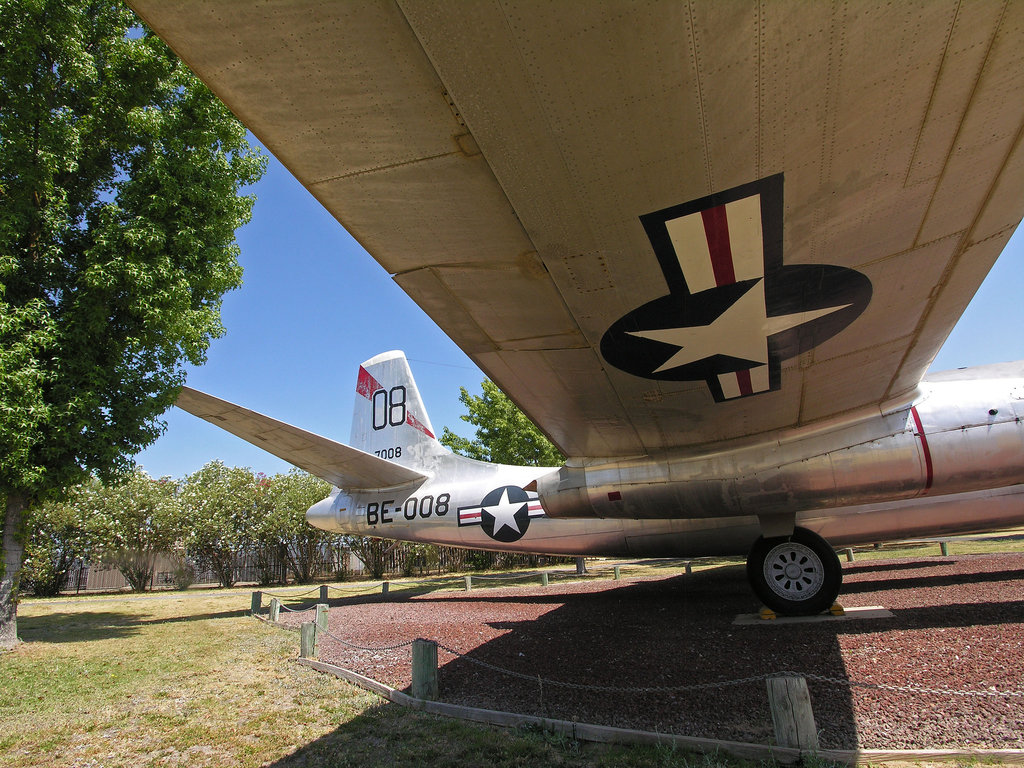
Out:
{"x": 504, "y": 435}
{"x": 223, "y": 509}
{"x": 60, "y": 536}
{"x": 132, "y": 522}
{"x": 285, "y": 529}
{"x": 119, "y": 199}
{"x": 373, "y": 552}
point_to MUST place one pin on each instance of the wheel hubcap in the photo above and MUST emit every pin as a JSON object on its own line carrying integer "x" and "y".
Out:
{"x": 794, "y": 571}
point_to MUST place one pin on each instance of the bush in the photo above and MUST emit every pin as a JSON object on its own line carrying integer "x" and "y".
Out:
{"x": 58, "y": 538}
{"x": 183, "y": 573}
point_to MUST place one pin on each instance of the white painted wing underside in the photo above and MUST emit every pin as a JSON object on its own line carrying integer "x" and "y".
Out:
{"x": 495, "y": 157}
{"x": 340, "y": 465}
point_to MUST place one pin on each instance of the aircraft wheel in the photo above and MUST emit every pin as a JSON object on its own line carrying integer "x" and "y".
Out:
{"x": 799, "y": 575}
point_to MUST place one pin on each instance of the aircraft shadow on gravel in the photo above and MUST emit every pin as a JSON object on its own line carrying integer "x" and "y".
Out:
{"x": 664, "y": 636}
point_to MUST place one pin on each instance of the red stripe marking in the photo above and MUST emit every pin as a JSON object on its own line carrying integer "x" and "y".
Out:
{"x": 743, "y": 381}
{"x": 470, "y": 516}
{"x": 928, "y": 470}
{"x": 415, "y": 423}
{"x": 716, "y": 229}
{"x": 366, "y": 385}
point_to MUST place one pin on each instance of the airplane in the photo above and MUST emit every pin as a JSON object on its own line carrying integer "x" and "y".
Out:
{"x": 710, "y": 249}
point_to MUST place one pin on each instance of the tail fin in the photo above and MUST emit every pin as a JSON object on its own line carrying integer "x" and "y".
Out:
{"x": 389, "y": 419}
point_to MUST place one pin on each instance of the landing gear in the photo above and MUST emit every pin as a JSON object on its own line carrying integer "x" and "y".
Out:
{"x": 799, "y": 575}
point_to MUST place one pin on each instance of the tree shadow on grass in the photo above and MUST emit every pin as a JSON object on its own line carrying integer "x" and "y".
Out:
{"x": 84, "y": 626}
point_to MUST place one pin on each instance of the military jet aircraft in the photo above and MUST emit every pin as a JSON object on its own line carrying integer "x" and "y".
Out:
{"x": 709, "y": 248}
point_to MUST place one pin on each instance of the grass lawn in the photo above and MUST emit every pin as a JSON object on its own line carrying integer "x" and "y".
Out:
{"x": 191, "y": 679}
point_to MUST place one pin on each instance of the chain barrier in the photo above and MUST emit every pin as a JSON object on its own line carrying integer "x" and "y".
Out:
{"x": 293, "y": 596}
{"x": 300, "y": 609}
{"x": 916, "y": 689}
{"x": 344, "y": 591}
{"x": 694, "y": 687}
{"x": 334, "y": 637}
{"x": 510, "y": 577}
{"x": 730, "y": 683}
{"x": 904, "y": 688}
{"x": 601, "y": 688}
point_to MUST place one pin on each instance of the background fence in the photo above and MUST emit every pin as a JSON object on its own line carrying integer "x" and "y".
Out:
{"x": 336, "y": 563}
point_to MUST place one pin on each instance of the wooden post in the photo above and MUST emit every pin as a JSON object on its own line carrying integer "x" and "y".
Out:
{"x": 618, "y": 573}
{"x": 321, "y": 619}
{"x": 849, "y": 554}
{"x": 469, "y": 583}
{"x": 424, "y": 669}
{"x": 323, "y": 593}
{"x": 257, "y": 603}
{"x": 385, "y": 587}
{"x": 307, "y": 640}
{"x": 275, "y": 608}
{"x": 544, "y": 579}
{"x": 792, "y": 716}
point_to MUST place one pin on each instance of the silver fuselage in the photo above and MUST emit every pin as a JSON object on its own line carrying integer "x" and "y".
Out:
{"x": 952, "y": 462}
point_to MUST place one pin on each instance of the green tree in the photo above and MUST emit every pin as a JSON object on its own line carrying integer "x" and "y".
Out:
{"x": 59, "y": 536}
{"x": 223, "y": 507}
{"x": 132, "y": 522}
{"x": 504, "y": 435}
{"x": 285, "y": 530}
{"x": 373, "y": 552}
{"x": 119, "y": 199}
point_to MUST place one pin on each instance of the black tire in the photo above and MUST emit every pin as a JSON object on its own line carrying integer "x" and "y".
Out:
{"x": 797, "y": 575}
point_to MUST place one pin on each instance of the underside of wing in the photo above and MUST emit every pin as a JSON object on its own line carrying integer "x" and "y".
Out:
{"x": 340, "y": 465}
{"x": 654, "y": 225}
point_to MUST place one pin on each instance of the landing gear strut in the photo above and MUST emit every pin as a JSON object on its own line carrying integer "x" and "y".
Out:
{"x": 799, "y": 575}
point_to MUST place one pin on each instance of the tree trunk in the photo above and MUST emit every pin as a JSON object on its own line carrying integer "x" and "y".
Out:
{"x": 14, "y": 551}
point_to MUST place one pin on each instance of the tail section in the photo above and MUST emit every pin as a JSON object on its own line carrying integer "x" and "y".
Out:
{"x": 389, "y": 419}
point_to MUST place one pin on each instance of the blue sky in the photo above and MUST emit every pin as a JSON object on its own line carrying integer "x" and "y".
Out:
{"x": 314, "y": 305}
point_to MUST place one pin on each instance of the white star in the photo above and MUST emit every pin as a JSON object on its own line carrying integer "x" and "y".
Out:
{"x": 741, "y": 331}
{"x": 504, "y": 513}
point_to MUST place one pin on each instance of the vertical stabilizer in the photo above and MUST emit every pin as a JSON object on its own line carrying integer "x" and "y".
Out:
{"x": 389, "y": 419}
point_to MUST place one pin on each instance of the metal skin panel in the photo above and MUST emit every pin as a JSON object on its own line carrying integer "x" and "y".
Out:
{"x": 709, "y": 248}
{"x": 878, "y": 486}
{"x": 337, "y": 463}
{"x": 459, "y": 142}
{"x": 947, "y": 464}
{"x": 950, "y": 514}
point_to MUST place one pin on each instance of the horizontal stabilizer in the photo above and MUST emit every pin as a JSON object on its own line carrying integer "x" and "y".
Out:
{"x": 339, "y": 464}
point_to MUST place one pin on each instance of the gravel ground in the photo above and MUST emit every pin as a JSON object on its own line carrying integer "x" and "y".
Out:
{"x": 958, "y": 624}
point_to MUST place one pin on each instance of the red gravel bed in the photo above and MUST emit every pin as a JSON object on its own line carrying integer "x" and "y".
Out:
{"x": 958, "y": 624}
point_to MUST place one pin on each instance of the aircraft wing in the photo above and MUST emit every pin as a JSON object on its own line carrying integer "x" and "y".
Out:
{"x": 340, "y": 465}
{"x": 655, "y": 224}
